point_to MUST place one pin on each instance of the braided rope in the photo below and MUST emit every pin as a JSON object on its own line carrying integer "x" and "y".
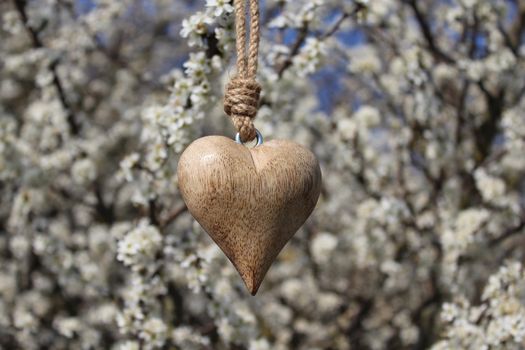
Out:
{"x": 241, "y": 98}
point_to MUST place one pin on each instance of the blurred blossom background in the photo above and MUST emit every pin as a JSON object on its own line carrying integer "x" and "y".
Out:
{"x": 415, "y": 109}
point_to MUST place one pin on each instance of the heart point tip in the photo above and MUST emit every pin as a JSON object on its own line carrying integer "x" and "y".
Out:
{"x": 252, "y": 285}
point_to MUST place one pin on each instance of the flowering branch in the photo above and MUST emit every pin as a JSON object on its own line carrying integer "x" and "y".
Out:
{"x": 37, "y": 44}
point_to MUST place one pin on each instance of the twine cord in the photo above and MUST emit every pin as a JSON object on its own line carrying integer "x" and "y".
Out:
{"x": 241, "y": 98}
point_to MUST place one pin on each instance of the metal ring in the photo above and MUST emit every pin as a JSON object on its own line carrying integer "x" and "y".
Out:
{"x": 259, "y": 138}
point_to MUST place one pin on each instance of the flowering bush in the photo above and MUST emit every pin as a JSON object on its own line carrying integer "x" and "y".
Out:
{"x": 416, "y": 111}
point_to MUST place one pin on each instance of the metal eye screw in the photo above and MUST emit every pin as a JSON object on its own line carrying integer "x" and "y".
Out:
{"x": 259, "y": 138}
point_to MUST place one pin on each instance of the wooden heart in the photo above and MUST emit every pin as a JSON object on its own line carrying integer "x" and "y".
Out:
{"x": 251, "y": 201}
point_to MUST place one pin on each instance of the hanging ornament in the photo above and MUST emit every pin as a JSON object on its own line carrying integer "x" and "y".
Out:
{"x": 250, "y": 201}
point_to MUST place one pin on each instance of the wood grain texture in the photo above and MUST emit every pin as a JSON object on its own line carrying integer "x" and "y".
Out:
{"x": 251, "y": 201}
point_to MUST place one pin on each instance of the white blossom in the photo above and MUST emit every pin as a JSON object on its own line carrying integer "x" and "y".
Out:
{"x": 139, "y": 247}
{"x": 415, "y": 112}
{"x": 322, "y": 247}
{"x": 219, "y": 7}
{"x": 84, "y": 171}
{"x": 195, "y": 28}
{"x": 309, "y": 58}
{"x": 154, "y": 332}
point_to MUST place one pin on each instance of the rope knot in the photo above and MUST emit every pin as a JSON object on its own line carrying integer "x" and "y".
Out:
{"x": 241, "y": 102}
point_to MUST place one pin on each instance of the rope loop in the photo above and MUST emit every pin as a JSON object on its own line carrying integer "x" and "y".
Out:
{"x": 241, "y": 98}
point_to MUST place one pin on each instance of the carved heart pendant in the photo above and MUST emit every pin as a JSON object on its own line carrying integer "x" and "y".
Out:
{"x": 250, "y": 201}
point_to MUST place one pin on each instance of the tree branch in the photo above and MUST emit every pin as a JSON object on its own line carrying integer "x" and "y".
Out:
{"x": 301, "y": 37}
{"x": 508, "y": 233}
{"x": 335, "y": 27}
{"x": 427, "y": 33}
{"x": 74, "y": 127}
{"x": 173, "y": 215}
